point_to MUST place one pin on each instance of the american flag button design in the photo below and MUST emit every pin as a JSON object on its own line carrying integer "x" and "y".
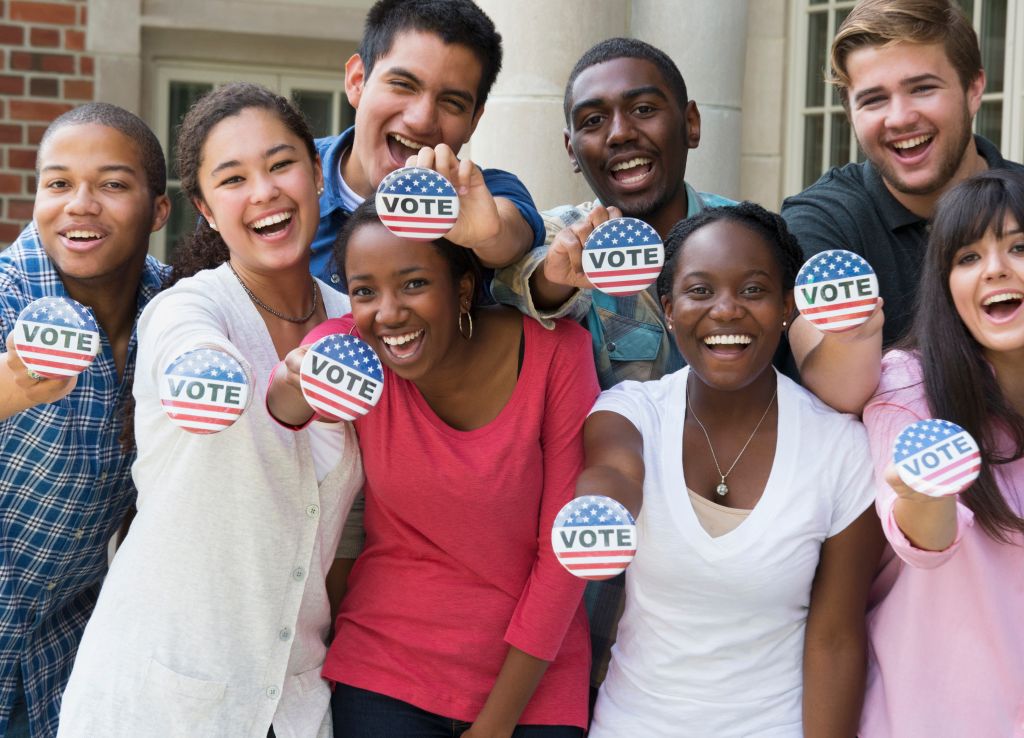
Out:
{"x": 56, "y": 337}
{"x": 341, "y": 377}
{"x": 204, "y": 391}
{"x": 417, "y": 203}
{"x": 936, "y": 457}
{"x": 623, "y": 256}
{"x": 836, "y": 290}
{"x": 594, "y": 537}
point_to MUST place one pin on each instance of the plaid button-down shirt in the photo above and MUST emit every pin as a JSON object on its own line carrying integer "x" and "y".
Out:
{"x": 630, "y": 341}
{"x": 65, "y": 486}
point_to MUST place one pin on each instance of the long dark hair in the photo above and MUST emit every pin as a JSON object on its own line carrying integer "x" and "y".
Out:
{"x": 959, "y": 384}
{"x": 204, "y": 248}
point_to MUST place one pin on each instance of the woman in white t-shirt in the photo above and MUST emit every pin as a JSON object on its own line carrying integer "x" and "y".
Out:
{"x": 757, "y": 541}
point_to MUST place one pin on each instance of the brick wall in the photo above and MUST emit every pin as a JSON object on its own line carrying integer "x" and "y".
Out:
{"x": 43, "y": 72}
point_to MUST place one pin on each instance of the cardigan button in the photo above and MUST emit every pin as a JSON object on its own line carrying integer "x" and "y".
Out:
{"x": 273, "y": 692}
{"x": 312, "y": 510}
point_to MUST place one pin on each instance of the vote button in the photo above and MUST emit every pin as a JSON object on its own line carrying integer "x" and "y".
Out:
{"x": 623, "y": 256}
{"x": 594, "y": 537}
{"x": 936, "y": 457}
{"x": 56, "y": 337}
{"x": 417, "y": 203}
{"x": 836, "y": 290}
{"x": 204, "y": 391}
{"x": 341, "y": 377}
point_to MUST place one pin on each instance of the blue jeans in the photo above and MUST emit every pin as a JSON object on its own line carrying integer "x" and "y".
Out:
{"x": 359, "y": 713}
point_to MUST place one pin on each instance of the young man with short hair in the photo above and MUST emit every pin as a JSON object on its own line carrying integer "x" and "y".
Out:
{"x": 909, "y": 74}
{"x": 419, "y": 83}
{"x": 629, "y": 128}
{"x": 65, "y": 483}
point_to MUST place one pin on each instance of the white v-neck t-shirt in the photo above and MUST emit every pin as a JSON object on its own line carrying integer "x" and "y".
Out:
{"x": 711, "y": 639}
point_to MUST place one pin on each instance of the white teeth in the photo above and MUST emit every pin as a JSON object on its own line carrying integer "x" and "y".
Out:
{"x": 1002, "y": 297}
{"x": 401, "y": 340}
{"x": 407, "y": 142}
{"x": 82, "y": 234}
{"x": 271, "y": 220}
{"x": 728, "y": 340}
{"x": 911, "y": 142}
{"x": 639, "y": 161}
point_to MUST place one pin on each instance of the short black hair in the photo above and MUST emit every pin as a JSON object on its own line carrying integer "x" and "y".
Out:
{"x": 152, "y": 154}
{"x": 627, "y": 48}
{"x": 770, "y": 226}
{"x": 455, "y": 21}
{"x": 460, "y": 260}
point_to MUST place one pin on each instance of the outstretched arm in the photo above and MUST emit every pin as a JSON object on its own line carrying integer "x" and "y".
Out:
{"x": 835, "y": 647}
{"x": 614, "y": 465}
{"x": 842, "y": 369}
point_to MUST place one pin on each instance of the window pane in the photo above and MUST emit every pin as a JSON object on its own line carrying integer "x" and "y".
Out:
{"x": 989, "y": 122}
{"x": 181, "y": 97}
{"x": 992, "y": 37}
{"x": 840, "y": 17}
{"x": 182, "y": 220}
{"x": 839, "y": 150}
{"x": 817, "y": 45}
{"x": 814, "y": 131}
{"x": 317, "y": 107}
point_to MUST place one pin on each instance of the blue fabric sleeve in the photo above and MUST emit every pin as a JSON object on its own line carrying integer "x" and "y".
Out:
{"x": 507, "y": 185}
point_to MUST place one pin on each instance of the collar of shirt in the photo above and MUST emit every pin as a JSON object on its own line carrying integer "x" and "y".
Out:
{"x": 41, "y": 278}
{"x": 332, "y": 149}
{"x": 893, "y": 213}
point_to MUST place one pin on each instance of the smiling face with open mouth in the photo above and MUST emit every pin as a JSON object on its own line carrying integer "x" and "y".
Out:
{"x": 422, "y": 93}
{"x": 912, "y": 115}
{"x": 405, "y": 300}
{"x": 259, "y": 188}
{"x": 93, "y": 207}
{"x": 727, "y": 304}
{"x": 629, "y": 137}
{"x": 987, "y": 285}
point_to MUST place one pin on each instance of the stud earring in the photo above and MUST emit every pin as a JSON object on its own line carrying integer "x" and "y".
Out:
{"x": 213, "y": 226}
{"x": 320, "y": 190}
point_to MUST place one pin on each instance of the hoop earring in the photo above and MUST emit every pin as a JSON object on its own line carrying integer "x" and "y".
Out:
{"x": 462, "y": 330}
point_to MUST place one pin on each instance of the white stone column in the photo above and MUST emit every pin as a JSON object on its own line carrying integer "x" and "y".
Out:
{"x": 522, "y": 126}
{"x": 707, "y": 40}
{"x": 764, "y": 98}
{"x": 114, "y": 36}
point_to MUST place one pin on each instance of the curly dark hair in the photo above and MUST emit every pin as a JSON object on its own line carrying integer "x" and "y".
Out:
{"x": 460, "y": 260}
{"x": 204, "y": 248}
{"x": 765, "y": 223}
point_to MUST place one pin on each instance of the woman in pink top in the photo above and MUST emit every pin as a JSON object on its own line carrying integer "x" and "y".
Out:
{"x": 458, "y": 619}
{"x": 947, "y": 640}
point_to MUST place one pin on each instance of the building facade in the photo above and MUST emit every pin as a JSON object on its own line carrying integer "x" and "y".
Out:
{"x": 770, "y": 124}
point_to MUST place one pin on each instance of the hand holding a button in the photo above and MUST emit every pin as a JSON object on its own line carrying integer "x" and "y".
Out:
{"x": 19, "y": 390}
{"x": 479, "y": 220}
{"x": 285, "y": 400}
{"x": 564, "y": 261}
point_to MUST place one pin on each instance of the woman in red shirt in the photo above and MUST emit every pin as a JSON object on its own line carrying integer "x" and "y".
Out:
{"x": 458, "y": 618}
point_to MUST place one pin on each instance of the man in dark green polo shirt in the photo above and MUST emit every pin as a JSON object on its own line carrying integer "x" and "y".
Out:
{"x": 910, "y": 77}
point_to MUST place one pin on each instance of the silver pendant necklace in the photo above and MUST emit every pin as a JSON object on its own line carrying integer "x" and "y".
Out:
{"x": 265, "y": 306}
{"x": 723, "y": 489}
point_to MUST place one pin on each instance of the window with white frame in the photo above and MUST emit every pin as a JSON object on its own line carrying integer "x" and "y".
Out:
{"x": 320, "y": 96}
{"x": 820, "y": 135}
